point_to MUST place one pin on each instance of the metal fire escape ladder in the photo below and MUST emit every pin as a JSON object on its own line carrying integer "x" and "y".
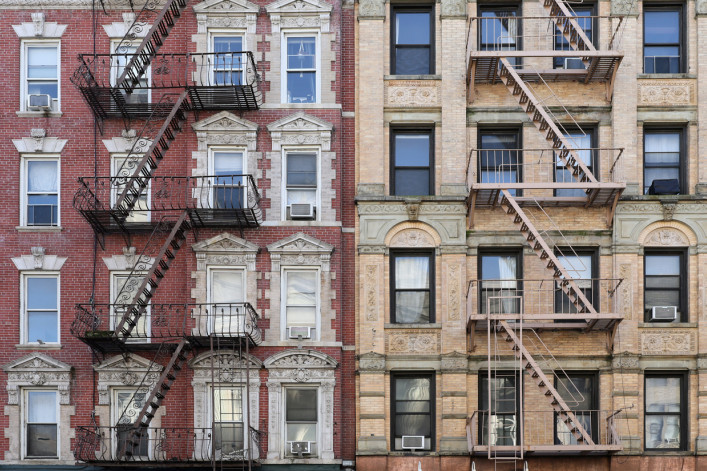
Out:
{"x": 566, "y": 23}
{"x": 151, "y": 281}
{"x": 162, "y": 24}
{"x": 140, "y": 178}
{"x": 542, "y": 250}
{"x": 564, "y": 413}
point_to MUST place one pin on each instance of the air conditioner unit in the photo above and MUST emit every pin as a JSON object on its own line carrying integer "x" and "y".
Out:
{"x": 299, "y": 332}
{"x": 413, "y": 442}
{"x": 664, "y": 313}
{"x": 573, "y": 63}
{"x": 301, "y": 448}
{"x": 39, "y": 102}
{"x": 301, "y": 211}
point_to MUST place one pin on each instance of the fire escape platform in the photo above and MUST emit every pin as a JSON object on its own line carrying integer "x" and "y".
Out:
{"x": 585, "y": 322}
{"x": 547, "y": 450}
{"x": 599, "y": 194}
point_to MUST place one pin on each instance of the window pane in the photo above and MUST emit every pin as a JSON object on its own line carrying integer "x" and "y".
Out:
{"x": 662, "y": 282}
{"x": 301, "y": 87}
{"x": 228, "y": 437}
{"x": 412, "y": 28}
{"x": 227, "y": 286}
{"x": 412, "y": 150}
{"x": 301, "y": 53}
{"x": 228, "y": 405}
{"x": 41, "y": 62}
{"x": 301, "y": 404}
{"x": 412, "y": 182}
{"x": 302, "y": 170}
{"x": 412, "y": 60}
{"x": 662, "y": 298}
{"x": 417, "y": 389}
{"x": 42, "y": 325}
{"x": 41, "y": 440}
{"x": 43, "y": 88}
{"x": 498, "y": 267}
{"x": 663, "y": 394}
{"x": 662, "y": 264}
{"x": 41, "y": 406}
{"x": 42, "y": 176}
{"x": 41, "y": 293}
{"x": 663, "y": 431}
{"x": 662, "y": 142}
{"x": 301, "y": 433}
{"x": 301, "y": 288}
{"x": 412, "y": 272}
{"x": 412, "y": 307}
{"x": 662, "y": 27}
{"x": 228, "y": 44}
{"x": 228, "y": 163}
{"x": 577, "y": 391}
{"x": 301, "y": 196}
{"x": 301, "y": 316}
{"x": 412, "y": 425}
{"x": 577, "y": 266}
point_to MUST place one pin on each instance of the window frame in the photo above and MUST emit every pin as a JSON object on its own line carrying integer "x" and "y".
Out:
{"x": 431, "y": 256}
{"x": 25, "y": 423}
{"x": 593, "y": 411}
{"x": 211, "y": 321}
{"x": 284, "y": 273}
{"x": 433, "y": 407}
{"x": 682, "y": 163}
{"x": 518, "y": 131}
{"x": 317, "y": 191}
{"x": 24, "y": 326}
{"x": 421, "y": 8}
{"x": 211, "y": 162}
{"x": 133, "y": 216}
{"x": 25, "y": 80}
{"x": 318, "y": 434}
{"x": 593, "y": 253}
{"x": 484, "y": 375}
{"x": 594, "y": 38}
{"x": 517, "y": 9}
{"x": 304, "y": 33}
{"x": 591, "y": 131}
{"x": 211, "y": 403}
{"x": 24, "y": 196}
{"x": 114, "y": 292}
{"x": 115, "y": 416}
{"x": 682, "y": 43}
{"x": 214, "y": 33}
{"x": 683, "y": 413}
{"x": 516, "y": 252}
{"x": 147, "y": 76}
{"x": 683, "y": 307}
{"x": 417, "y": 130}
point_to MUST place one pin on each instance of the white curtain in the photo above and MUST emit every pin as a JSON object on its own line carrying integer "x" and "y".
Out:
{"x": 42, "y": 176}
{"x": 507, "y": 272}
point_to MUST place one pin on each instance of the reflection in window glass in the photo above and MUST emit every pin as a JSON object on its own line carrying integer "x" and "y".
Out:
{"x": 42, "y": 424}
{"x": 412, "y": 42}
{"x": 662, "y": 40}
{"x": 412, "y": 163}
{"x": 41, "y": 309}
{"x": 42, "y": 70}
{"x": 663, "y": 282}
{"x": 42, "y": 192}
{"x": 663, "y": 413}
{"x": 661, "y": 157}
{"x": 412, "y": 288}
{"x": 301, "y": 69}
{"x": 412, "y": 409}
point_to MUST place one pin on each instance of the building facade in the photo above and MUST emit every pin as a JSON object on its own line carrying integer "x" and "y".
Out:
{"x": 530, "y": 235}
{"x": 179, "y": 233}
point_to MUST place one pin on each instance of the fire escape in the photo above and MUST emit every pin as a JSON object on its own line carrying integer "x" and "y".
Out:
{"x": 528, "y": 56}
{"x": 155, "y": 93}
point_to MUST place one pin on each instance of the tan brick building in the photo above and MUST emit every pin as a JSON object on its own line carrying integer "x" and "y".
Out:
{"x": 530, "y": 235}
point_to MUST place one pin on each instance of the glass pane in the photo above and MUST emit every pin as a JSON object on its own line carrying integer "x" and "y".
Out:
{"x": 228, "y": 44}
{"x": 663, "y": 394}
{"x": 412, "y": 182}
{"x": 651, "y": 174}
{"x": 412, "y": 406}
{"x": 417, "y": 389}
{"x": 301, "y": 53}
{"x": 228, "y": 163}
{"x": 128, "y": 406}
{"x": 41, "y": 293}
{"x": 42, "y": 326}
{"x": 41, "y": 406}
{"x": 227, "y": 286}
{"x": 412, "y": 307}
{"x": 664, "y": 282}
{"x": 228, "y": 437}
{"x": 577, "y": 266}
{"x": 498, "y": 267}
{"x": 301, "y": 87}
{"x": 301, "y": 288}
{"x": 44, "y": 88}
{"x": 412, "y": 272}
{"x": 662, "y": 27}
{"x": 41, "y": 440}
{"x": 662, "y": 264}
{"x": 41, "y": 62}
{"x": 499, "y": 160}
{"x": 577, "y": 391}
{"x": 412, "y": 28}
{"x": 301, "y": 316}
{"x": 302, "y": 170}
{"x": 503, "y": 394}
{"x": 42, "y": 176}
{"x": 301, "y": 196}
{"x": 499, "y": 30}
{"x": 412, "y": 150}
{"x": 301, "y": 433}
{"x": 499, "y": 141}
{"x": 662, "y": 298}
{"x": 662, "y": 142}
{"x": 301, "y": 404}
{"x": 42, "y": 210}
{"x": 412, "y": 60}
{"x": 663, "y": 431}
{"x": 228, "y": 405}
{"x": 412, "y": 425}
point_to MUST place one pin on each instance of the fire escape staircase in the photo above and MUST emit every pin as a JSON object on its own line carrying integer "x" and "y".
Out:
{"x": 566, "y": 24}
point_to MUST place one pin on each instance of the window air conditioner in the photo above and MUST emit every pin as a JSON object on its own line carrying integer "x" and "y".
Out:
{"x": 573, "y": 63}
{"x": 300, "y": 448}
{"x": 664, "y": 313}
{"x": 302, "y": 211}
{"x": 299, "y": 332}
{"x": 413, "y": 442}
{"x": 39, "y": 102}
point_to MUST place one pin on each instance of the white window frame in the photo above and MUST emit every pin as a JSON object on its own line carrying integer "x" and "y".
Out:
{"x": 114, "y": 291}
{"x": 209, "y": 293}
{"x": 317, "y": 63}
{"x": 24, "y": 80}
{"x": 115, "y": 415}
{"x": 212, "y": 172}
{"x": 285, "y": 443}
{"x": 211, "y": 387}
{"x": 24, "y": 326}
{"x": 24, "y": 173}
{"x": 114, "y": 195}
{"x": 25, "y": 421}
{"x": 283, "y": 296}
{"x": 114, "y": 43}
{"x": 318, "y": 191}
{"x": 229, "y": 33}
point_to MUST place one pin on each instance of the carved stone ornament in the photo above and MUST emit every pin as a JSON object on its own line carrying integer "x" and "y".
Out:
{"x": 39, "y": 27}
{"x": 38, "y": 260}
{"x": 412, "y": 238}
{"x": 371, "y": 362}
{"x": 125, "y": 370}
{"x": 39, "y": 143}
{"x": 624, "y": 361}
{"x": 119, "y": 29}
{"x": 124, "y": 144}
{"x": 666, "y": 92}
{"x": 666, "y": 237}
{"x": 371, "y": 286}
{"x": 226, "y": 128}
{"x": 454, "y": 362}
{"x": 37, "y": 369}
{"x": 412, "y": 93}
{"x": 701, "y": 7}
{"x": 300, "y": 249}
{"x": 454, "y": 8}
{"x": 299, "y": 13}
{"x": 411, "y": 342}
{"x": 668, "y": 210}
{"x": 626, "y": 274}
{"x": 127, "y": 261}
{"x": 236, "y": 14}
{"x": 668, "y": 343}
{"x": 372, "y": 9}
{"x": 623, "y": 8}
{"x": 454, "y": 300}
{"x": 702, "y": 363}
{"x": 413, "y": 210}
{"x": 227, "y": 250}
{"x": 300, "y": 129}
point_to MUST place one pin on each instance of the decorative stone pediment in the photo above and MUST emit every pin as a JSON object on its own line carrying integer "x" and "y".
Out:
{"x": 228, "y": 367}
{"x": 125, "y": 370}
{"x": 300, "y": 129}
{"x": 124, "y": 143}
{"x": 232, "y": 14}
{"x": 454, "y": 362}
{"x": 300, "y": 249}
{"x": 127, "y": 261}
{"x": 37, "y": 369}
{"x": 301, "y": 366}
{"x": 39, "y": 143}
{"x": 226, "y": 129}
{"x": 38, "y": 260}
{"x": 119, "y": 29}
{"x": 666, "y": 237}
{"x": 225, "y": 249}
{"x": 226, "y": 7}
{"x": 299, "y": 14}
{"x": 39, "y": 28}
{"x": 371, "y": 9}
{"x": 371, "y": 362}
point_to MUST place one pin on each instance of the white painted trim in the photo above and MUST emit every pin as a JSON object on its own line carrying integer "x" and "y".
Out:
{"x": 114, "y": 158}
{"x": 318, "y": 191}
{"x": 284, "y": 444}
{"x": 23, "y": 71}
{"x": 23, "y": 186}
{"x": 25, "y": 420}
{"x": 114, "y": 416}
{"x": 114, "y": 274}
{"x": 317, "y": 297}
{"x": 23, "y": 305}
{"x": 317, "y": 61}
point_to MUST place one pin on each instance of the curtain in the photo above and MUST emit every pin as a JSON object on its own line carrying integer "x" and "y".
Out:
{"x": 507, "y": 272}
{"x": 301, "y": 297}
{"x": 42, "y": 176}
{"x": 412, "y": 274}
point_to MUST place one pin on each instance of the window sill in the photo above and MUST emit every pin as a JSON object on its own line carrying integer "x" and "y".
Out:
{"x": 667, "y": 453}
{"x": 39, "y": 228}
{"x": 663, "y": 325}
{"x": 667, "y": 76}
{"x": 36, "y": 346}
{"x": 39, "y": 114}
{"x": 434, "y": 325}
{"x": 301, "y": 106}
{"x": 412, "y": 77}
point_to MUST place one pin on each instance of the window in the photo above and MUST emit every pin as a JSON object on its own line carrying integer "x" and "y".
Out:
{"x": 663, "y": 39}
{"x": 500, "y": 161}
{"x": 123, "y": 168}
{"x": 123, "y": 290}
{"x": 301, "y": 179}
{"x": 413, "y": 409}
{"x": 413, "y": 162}
{"x": 41, "y": 72}
{"x": 582, "y": 268}
{"x": 41, "y": 192}
{"x": 665, "y": 411}
{"x": 500, "y": 30}
{"x": 301, "y": 295}
{"x": 228, "y": 421}
{"x": 127, "y": 404}
{"x": 500, "y": 285}
{"x": 228, "y": 59}
{"x": 499, "y": 420}
{"x": 120, "y": 59}
{"x": 665, "y": 285}
{"x": 301, "y": 62}
{"x": 301, "y": 405}
{"x": 663, "y": 171}
{"x": 580, "y": 393}
{"x": 412, "y": 282}
{"x": 227, "y": 179}
{"x": 583, "y": 143}
{"x": 41, "y": 424}
{"x": 41, "y": 308}
{"x": 413, "y": 43}
{"x": 584, "y": 17}
{"x": 226, "y": 291}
